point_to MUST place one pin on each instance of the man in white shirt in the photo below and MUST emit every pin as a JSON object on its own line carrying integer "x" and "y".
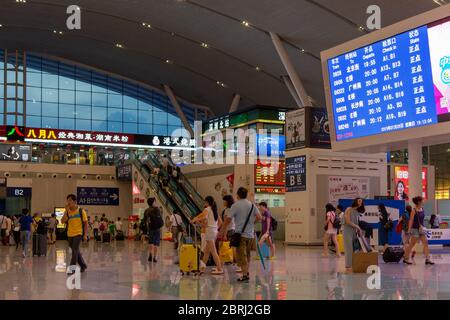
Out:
{"x": 3, "y": 225}
{"x": 176, "y": 223}
{"x": 118, "y": 225}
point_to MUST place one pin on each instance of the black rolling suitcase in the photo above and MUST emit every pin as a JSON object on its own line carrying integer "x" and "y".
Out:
{"x": 106, "y": 237}
{"x": 393, "y": 254}
{"x": 39, "y": 245}
{"x": 120, "y": 236}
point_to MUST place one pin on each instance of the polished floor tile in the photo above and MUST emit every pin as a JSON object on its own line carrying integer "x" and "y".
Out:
{"x": 120, "y": 270}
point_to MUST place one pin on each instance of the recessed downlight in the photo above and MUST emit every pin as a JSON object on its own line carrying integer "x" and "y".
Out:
{"x": 120, "y": 46}
{"x": 205, "y": 45}
{"x": 245, "y": 23}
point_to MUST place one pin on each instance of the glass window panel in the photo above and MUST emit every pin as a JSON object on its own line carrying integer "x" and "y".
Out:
{"x": 11, "y": 106}
{"x": 160, "y": 130}
{"x": 20, "y": 106}
{"x": 98, "y": 83}
{"x": 2, "y": 95}
{"x": 99, "y": 99}
{"x": 145, "y": 105}
{"x": 66, "y": 110}
{"x": 2, "y": 73}
{"x": 83, "y": 112}
{"x": 145, "y": 128}
{"x": 11, "y": 76}
{"x": 50, "y": 109}
{"x": 65, "y": 83}
{"x": 65, "y": 123}
{"x": 49, "y": 80}
{"x": 33, "y": 122}
{"x": 33, "y": 94}
{"x": 114, "y": 86}
{"x": 114, "y": 126}
{"x": 11, "y": 91}
{"x": 114, "y": 114}
{"x": 19, "y": 120}
{"x": 159, "y": 117}
{"x": 173, "y": 120}
{"x": 83, "y": 125}
{"x": 34, "y": 79}
{"x": 10, "y": 120}
{"x": 67, "y": 96}
{"x": 129, "y": 115}
{"x": 20, "y": 92}
{"x": 129, "y": 102}
{"x": 49, "y": 122}
{"x": 114, "y": 100}
{"x": 145, "y": 116}
{"x": 83, "y": 98}
{"x": 49, "y": 95}
{"x": 20, "y": 78}
{"x": 99, "y": 126}
{"x": 99, "y": 113}
{"x": 81, "y": 85}
{"x": 34, "y": 108}
{"x": 49, "y": 66}
{"x": 130, "y": 127}
{"x": 171, "y": 129}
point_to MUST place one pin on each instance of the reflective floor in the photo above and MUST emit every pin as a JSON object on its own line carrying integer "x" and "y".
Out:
{"x": 120, "y": 271}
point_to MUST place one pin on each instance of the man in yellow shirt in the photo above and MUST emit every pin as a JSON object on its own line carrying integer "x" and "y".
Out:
{"x": 77, "y": 230}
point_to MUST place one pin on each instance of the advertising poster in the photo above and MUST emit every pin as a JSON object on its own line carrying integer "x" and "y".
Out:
{"x": 401, "y": 183}
{"x": 320, "y": 128}
{"x": 270, "y": 146}
{"x": 295, "y": 129}
{"x": 15, "y": 152}
{"x": 438, "y": 38}
{"x": 341, "y": 187}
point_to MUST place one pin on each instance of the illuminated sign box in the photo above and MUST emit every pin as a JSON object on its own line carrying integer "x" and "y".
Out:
{"x": 390, "y": 81}
{"x": 266, "y": 174}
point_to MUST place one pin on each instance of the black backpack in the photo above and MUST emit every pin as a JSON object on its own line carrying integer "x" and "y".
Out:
{"x": 156, "y": 220}
{"x": 337, "y": 222}
{"x": 41, "y": 228}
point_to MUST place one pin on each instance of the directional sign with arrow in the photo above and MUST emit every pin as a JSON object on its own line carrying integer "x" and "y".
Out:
{"x": 88, "y": 196}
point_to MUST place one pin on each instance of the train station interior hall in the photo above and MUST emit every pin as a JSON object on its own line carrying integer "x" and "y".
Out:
{"x": 215, "y": 150}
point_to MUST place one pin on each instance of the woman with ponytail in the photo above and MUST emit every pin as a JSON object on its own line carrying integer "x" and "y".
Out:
{"x": 211, "y": 219}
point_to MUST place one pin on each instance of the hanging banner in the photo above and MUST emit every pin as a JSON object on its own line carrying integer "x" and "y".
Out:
{"x": 341, "y": 187}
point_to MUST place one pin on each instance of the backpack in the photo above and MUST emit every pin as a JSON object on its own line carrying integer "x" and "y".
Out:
{"x": 337, "y": 222}
{"x": 41, "y": 228}
{"x": 156, "y": 221}
{"x": 274, "y": 223}
{"x": 102, "y": 227}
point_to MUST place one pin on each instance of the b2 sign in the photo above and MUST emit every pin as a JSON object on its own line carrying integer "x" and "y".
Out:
{"x": 397, "y": 83}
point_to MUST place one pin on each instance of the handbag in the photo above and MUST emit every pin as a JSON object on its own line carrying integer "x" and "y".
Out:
{"x": 235, "y": 240}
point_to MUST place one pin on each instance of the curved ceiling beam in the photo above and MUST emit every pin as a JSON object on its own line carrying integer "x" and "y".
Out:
{"x": 113, "y": 45}
{"x": 173, "y": 34}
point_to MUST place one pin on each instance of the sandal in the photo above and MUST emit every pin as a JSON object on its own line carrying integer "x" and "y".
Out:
{"x": 217, "y": 272}
{"x": 243, "y": 279}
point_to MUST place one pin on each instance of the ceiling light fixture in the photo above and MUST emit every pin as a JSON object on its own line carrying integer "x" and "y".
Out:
{"x": 120, "y": 46}
{"x": 205, "y": 45}
{"x": 302, "y": 50}
{"x": 440, "y": 2}
{"x": 221, "y": 84}
{"x": 258, "y": 68}
{"x": 362, "y": 29}
{"x": 169, "y": 61}
{"x": 1, "y": 25}
{"x": 21, "y": 1}
{"x": 146, "y": 25}
{"x": 245, "y": 23}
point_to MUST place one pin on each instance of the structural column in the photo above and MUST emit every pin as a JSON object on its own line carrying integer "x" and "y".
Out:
{"x": 414, "y": 169}
{"x": 178, "y": 109}
{"x": 235, "y": 103}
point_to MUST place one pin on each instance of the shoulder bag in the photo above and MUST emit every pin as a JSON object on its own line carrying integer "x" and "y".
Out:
{"x": 235, "y": 240}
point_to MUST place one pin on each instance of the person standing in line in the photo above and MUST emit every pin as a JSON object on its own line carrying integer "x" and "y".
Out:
{"x": 385, "y": 225}
{"x": 95, "y": 226}
{"x": 330, "y": 231}
{"x": 351, "y": 229}
{"x": 52, "y": 229}
{"x": 3, "y": 228}
{"x": 155, "y": 223}
{"x": 25, "y": 231}
{"x": 77, "y": 229}
{"x": 267, "y": 234}
{"x": 176, "y": 226}
{"x": 211, "y": 216}
{"x": 16, "y": 230}
{"x": 416, "y": 231}
{"x": 243, "y": 211}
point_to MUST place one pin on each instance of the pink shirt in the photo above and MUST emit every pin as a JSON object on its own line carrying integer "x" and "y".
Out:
{"x": 330, "y": 215}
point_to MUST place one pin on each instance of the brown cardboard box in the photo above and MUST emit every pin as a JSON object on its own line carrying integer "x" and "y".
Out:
{"x": 362, "y": 260}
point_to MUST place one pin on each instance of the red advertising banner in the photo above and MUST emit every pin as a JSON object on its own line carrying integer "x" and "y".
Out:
{"x": 78, "y": 136}
{"x": 401, "y": 191}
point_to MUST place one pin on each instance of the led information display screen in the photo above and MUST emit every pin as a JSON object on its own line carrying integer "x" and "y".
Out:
{"x": 266, "y": 174}
{"x": 397, "y": 83}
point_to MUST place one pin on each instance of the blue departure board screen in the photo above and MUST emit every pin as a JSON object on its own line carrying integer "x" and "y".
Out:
{"x": 389, "y": 85}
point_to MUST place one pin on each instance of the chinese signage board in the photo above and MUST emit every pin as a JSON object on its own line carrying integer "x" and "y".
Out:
{"x": 266, "y": 174}
{"x": 15, "y": 152}
{"x": 296, "y": 174}
{"x": 78, "y": 136}
{"x": 342, "y": 187}
{"x": 125, "y": 172}
{"x": 270, "y": 145}
{"x": 98, "y": 196}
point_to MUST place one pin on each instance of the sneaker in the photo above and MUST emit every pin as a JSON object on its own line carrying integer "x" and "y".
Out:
{"x": 429, "y": 262}
{"x": 154, "y": 260}
{"x": 244, "y": 279}
{"x": 217, "y": 272}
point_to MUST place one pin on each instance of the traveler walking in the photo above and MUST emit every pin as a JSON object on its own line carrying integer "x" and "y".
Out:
{"x": 404, "y": 220}
{"x": 228, "y": 201}
{"x": 244, "y": 213}
{"x": 176, "y": 226}
{"x": 95, "y": 226}
{"x": 416, "y": 231}
{"x": 267, "y": 228}
{"x": 330, "y": 230}
{"x": 16, "y": 230}
{"x": 155, "y": 222}
{"x": 3, "y": 228}
{"x": 77, "y": 229}
{"x": 385, "y": 225}
{"x": 25, "y": 231}
{"x": 52, "y": 223}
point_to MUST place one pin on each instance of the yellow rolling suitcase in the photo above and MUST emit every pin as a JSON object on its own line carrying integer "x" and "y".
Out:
{"x": 190, "y": 257}
{"x": 225, "y": 252}
{"x": 340, "y": 240}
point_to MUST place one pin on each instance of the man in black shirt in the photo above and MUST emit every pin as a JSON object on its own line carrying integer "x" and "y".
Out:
{"x": 153, "y": 219}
